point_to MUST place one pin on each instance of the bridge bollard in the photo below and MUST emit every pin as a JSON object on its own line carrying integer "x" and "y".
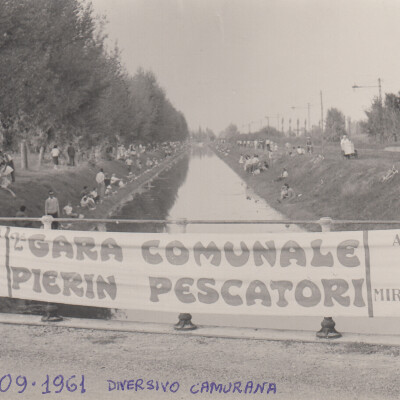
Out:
{"x": 51, "y": 314}
{"x": 185, "y": 319}
{"x": 47, "y": 221}
{"x": 182, "y": 224}
{"x": 328, "y": 330}
{"x": 185, "y": 323}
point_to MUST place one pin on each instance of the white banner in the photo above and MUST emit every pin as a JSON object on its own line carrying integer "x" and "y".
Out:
{"x": 296, "y": 273}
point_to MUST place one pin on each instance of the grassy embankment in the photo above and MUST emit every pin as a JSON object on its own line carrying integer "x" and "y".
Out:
{"x": 335, "y": 187}
{"x": 32, "y": 186}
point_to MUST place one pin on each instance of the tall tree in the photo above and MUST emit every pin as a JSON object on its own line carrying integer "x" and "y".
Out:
{"x": 335, "y": 125}
{"x": 58, "y": 81}
{"x": 230, "y": 132}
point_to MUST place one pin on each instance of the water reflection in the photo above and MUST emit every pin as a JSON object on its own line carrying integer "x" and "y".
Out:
{"x": 213, "y": 191}
{"x": 200, "y": 151}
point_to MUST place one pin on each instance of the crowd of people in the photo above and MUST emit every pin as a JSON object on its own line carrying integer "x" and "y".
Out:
{"x": 138, "y": 158}
{"x": 265, "y": 152}
{"x": 253, "y": 164}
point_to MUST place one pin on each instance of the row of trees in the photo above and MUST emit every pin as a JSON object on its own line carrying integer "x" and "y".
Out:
{"x": 59, "y": 82}
{"x": 202, "y": 135}
{"x": 381, "y": 125}
{"x": 383, "y": 118}
{"x": 335, "y": 124}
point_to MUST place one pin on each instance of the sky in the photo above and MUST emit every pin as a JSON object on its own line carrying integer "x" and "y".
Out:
{"x": 239, "y": 61}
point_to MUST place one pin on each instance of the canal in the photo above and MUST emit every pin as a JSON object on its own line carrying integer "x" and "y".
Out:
{"x": 200, "y": 186}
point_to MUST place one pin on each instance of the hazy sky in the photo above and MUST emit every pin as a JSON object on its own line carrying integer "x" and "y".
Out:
{"x": 223, "y": 61}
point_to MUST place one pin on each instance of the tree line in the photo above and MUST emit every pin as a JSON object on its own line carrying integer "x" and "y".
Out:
{"x": 60, "y": 83}
{"x": 382, "y": 124}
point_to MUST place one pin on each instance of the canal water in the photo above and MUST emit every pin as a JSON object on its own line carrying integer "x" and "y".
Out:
{"x": 200, "y": 186}
{"x": 212, "y": 191}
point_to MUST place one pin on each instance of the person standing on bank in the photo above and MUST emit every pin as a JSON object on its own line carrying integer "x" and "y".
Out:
{"x": 51, "y": 207}
{"x": 100, "y": 177}
{"x": 71, "y": 155}
{"x": 55, "y": 153}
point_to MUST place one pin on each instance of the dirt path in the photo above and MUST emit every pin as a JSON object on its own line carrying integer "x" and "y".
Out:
{"x": 299, "y": 370}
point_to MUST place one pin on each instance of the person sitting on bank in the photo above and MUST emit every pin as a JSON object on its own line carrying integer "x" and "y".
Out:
{"x": 85, "y": 191}
{"x": 283, "y": 175}
{"x": 287, "y": 193}
{"x": 264, "y": 166}
{"x": 94, "y": 195}
{"x": 109, "y": 190}
{"x": 68, "y": 211}
{"x": 114, "y": 180}
{"x": 300, "y": 151}
{"x": 149, "y": 163}
{"x": 88, "y": 202}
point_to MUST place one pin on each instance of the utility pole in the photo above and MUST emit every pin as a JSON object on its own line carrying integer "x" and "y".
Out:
{"x": 349, "y": 126}
{"x": 380, "y": 90}
{"x": 382, "y": 116}
{"x": 322, "y": 124}
{"x": 309, "y": 120}
{"x": 290, "y": 126}
{"x": 298, "y": 127}
{"x": 283, "y": 120}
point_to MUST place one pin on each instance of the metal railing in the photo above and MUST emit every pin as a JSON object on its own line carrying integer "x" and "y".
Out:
{"x": 184, "y": 221}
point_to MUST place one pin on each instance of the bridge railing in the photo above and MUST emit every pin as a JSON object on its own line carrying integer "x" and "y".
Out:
{"x": 324, "y": 222}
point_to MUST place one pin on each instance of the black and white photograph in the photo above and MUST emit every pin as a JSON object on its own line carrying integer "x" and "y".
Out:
{"x": 200, "y": 199}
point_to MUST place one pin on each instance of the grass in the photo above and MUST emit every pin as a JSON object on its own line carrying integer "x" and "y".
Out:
{"x": 335, "y": 187}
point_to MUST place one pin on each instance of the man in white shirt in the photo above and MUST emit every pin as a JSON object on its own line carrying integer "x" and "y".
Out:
{"x": 51, "y": 207}
{"x": 100, "y": 184}
{"x": 55, "y": 153}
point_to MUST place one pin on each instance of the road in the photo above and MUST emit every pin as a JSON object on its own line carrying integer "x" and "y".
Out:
{"x": 298, "y": 370}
